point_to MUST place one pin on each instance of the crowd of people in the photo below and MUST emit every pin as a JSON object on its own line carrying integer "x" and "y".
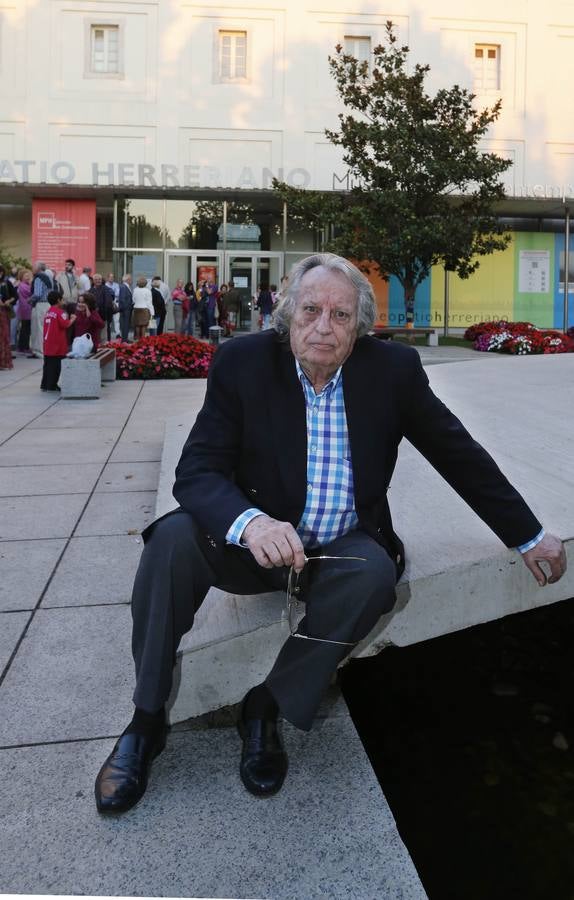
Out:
{"x": 107, "y": 309}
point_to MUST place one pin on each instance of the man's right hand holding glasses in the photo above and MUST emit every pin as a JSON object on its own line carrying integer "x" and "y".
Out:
{"x": 274, "y": 543}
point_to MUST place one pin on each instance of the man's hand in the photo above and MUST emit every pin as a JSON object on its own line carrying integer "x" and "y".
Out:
{"x": 550, "y": 549}
{"x": 274, "y": 543}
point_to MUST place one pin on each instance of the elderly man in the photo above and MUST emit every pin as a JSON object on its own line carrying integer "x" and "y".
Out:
{"x": 282, "y": 482}
{"x": 42, "y": 283}
{"x": 105, "y": 304}
{"x": 125, "y": 304}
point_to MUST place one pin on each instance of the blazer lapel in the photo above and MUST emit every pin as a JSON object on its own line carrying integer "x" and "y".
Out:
{"x": 371, "y": 416}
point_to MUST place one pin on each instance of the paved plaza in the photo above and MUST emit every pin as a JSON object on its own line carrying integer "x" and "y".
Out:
{"x": 78, "y": 482}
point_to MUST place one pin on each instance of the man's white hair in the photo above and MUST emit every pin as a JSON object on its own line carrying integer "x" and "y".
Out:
{"x": 366, "y": 306}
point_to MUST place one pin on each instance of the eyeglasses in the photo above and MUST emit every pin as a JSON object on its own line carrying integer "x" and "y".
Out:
{"x": 294, "y": 601}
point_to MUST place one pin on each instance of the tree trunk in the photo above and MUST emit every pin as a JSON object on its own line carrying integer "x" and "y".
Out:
{"x": 409, "y": 296}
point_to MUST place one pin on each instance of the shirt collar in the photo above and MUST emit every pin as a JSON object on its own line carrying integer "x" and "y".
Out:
{"x": 330, "y": 386}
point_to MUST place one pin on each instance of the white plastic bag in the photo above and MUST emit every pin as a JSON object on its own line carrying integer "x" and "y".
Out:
{"x": 81, "y": 347}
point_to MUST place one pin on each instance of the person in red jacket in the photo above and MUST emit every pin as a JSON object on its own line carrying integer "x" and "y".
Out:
{"x": 56, "y": 324}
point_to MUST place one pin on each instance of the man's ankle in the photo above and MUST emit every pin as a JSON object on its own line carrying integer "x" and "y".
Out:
{"x": 144, "y": 722}
{"x": 260, "y": 704}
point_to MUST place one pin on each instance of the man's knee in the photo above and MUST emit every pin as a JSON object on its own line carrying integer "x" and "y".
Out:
{"x": 175, "y": 529}
{"x": 375, "y": 583}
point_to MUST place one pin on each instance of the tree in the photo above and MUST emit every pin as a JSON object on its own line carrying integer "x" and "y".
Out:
{"x": 8, "y": 260}
{"x": 423, "y": 191}
{"x": 207, "y": 216}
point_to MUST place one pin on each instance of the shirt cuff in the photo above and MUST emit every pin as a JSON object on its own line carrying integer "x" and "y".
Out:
{"x": 535, "y": 540}
{"x": 236, "y": 530}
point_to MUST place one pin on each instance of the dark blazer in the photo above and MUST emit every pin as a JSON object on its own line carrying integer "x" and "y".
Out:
{"x": 125, "y": 300}
{"x": 248, "y": 446}
{"x": 104, "y": 302}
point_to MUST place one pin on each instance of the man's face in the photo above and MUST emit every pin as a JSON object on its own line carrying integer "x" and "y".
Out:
{"x": 69, "y": 266}
{"x": 97, "y": 280}
{"x": 324, "y": 324}
{"x": 111, "y": 277}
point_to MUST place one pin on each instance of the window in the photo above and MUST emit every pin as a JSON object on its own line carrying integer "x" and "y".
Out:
{"x": 486, "y": 67}
{"x": 359, "y": 47}
{"x": 232, "y": 56}
{"x": 105, "y": 50}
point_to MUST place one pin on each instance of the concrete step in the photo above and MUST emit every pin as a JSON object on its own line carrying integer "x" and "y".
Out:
{"x": 458, "y": 573}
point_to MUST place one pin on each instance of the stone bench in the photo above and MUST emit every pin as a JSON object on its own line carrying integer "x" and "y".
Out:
{"x": 458, "y": 573}
{"x": 82, "y": 378}
{"x": 388, "y": 333}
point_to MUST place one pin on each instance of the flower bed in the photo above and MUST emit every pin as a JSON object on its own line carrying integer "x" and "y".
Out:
{"x": 518, "y": 338}
{"x": 163, "y": 356}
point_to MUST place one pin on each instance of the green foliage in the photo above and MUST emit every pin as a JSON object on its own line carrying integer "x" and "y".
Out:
{"x": 206, "y": 218}
{"x": 423, "y": 190}
{"x": 8, "y": 260}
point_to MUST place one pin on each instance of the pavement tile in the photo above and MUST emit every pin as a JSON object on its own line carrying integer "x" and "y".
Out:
{"x": 7, "y": 432}
{"x": 96, "y": 413}
{"x": 28, "y": 518}
{"x": 11, "y": 626}
{"x": 13, "y": 406}
{"x": 71, "y": 678}
{"x": 329, "y": 834}
{"x": 80, "y": 582}
{"x": 30, "y": 481}
{"x": 44, "y": 445}
{"x": 107, "y": 514}
{"x": 26, "y": 567}
{"x": 120, "y": 477}
{"x": 137, "y": 450}
{"x": 24, "y": 371}
{"x": 146, "y": 422}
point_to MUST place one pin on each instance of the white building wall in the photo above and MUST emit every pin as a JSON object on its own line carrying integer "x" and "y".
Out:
{"x": 169, "y": 109}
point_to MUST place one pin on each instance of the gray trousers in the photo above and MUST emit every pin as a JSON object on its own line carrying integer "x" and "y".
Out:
{"x": 344, "y": 599}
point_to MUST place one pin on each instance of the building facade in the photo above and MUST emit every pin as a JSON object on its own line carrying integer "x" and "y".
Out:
{"x": 142, "y": 135}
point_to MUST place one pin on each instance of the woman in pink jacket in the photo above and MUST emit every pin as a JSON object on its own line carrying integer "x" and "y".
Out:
{"x": 24, "y": 310}
{"x": 180, "y": 301}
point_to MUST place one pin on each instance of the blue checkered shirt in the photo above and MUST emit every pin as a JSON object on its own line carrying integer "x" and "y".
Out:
{"x": 330, "y": 505}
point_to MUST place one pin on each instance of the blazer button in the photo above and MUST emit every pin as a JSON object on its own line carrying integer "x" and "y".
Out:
{"x": 252, "y": 490}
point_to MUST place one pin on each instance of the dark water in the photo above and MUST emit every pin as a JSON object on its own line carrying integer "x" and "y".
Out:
{"x": 472, "y": 739}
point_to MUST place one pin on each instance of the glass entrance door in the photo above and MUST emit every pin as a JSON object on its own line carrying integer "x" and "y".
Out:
{"x": 249, "y": 271}
{"x": 196, "y": 266}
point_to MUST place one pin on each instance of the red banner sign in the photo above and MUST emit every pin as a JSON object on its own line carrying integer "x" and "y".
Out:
{"x": 64, "y": 229}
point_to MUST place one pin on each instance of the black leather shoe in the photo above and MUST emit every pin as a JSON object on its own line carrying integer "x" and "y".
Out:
{"x": 264, "y": 762}
{"x": 122, "y": 780}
